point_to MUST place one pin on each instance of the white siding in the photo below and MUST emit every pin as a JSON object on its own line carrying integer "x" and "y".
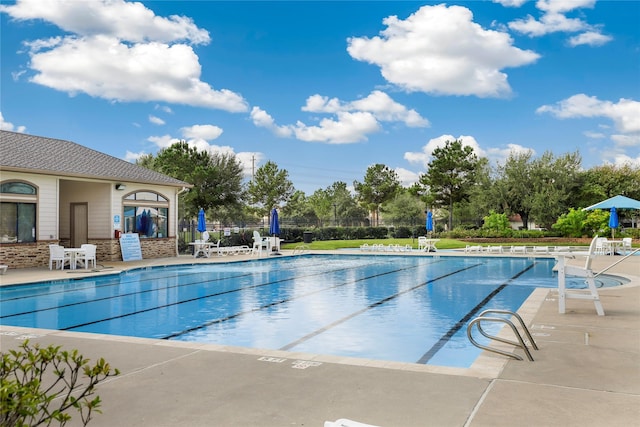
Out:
{"x": 47, "y": 213}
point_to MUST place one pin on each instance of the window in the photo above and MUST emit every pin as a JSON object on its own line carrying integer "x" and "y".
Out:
{"x": 18, "y": 212}
{"x": 146, "y": 213}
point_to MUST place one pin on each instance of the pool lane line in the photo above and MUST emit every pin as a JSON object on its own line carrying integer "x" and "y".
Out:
{"x": 149, "y": 291}
{"x": 455, "y": 328}
{"x": 371, "y": 306}
{"x": 101, "y": 286}
{"x": 205, "y": 297}
{"x": 286, "y": 300}
{"x": 129, "y": 294}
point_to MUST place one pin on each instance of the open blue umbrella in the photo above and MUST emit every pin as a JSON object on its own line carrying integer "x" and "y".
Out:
{"x": 202, "y": 222}
{"x": 613, "y": 221}
{"x": 429, "y": 224}
{"x": 274, "y": 225}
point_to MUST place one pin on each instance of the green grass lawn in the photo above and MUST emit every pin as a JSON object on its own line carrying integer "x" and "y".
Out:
{"x": 442, "y": 244}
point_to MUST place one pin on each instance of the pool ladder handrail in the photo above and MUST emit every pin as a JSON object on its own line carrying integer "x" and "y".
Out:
{"x": 520, "y": 343}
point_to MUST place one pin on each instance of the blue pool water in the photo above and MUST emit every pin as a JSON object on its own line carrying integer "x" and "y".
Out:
{"x": 399, "y": 308}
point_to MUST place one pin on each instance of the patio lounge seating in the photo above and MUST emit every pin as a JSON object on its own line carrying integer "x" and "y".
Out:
{"x": 58, "y": 255}
{"x": 88, "y": 255}
{"x": 518, "y": 249}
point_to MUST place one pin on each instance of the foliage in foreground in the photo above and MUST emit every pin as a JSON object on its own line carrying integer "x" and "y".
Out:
{"x": 40, "y": 386}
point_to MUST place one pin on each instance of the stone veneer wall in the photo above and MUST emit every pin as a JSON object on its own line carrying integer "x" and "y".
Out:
{"x": 25, "y": 255}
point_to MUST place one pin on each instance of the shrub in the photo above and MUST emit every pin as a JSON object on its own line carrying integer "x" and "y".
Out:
{"x": 39, "y": 386}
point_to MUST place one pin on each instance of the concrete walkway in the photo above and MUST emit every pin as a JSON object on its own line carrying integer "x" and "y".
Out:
{"x": 586, "y": 373}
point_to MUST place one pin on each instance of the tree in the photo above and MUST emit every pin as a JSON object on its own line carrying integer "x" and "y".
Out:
{"x": 39, "y": 386}
{"x": 554, "y": 181}
{"x": 321, "y": 203}
{"x": 404, "y": 209}
{"x": 380, "y": 184}
{"x": 298, "y": 209}
{"x": 346, "y": 210}
{"x": 603, "y": 182}
{"x": 269, "y": 187}
{"x": 216, "y": 177}
{"x": 514, "y": 186}
{"x": 451, "y": 175}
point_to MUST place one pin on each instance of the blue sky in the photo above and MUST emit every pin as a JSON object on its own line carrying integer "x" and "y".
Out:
{"x": 326, "y": 89}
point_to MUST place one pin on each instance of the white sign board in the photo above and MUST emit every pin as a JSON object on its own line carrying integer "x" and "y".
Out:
{"x": 130, "y": 247}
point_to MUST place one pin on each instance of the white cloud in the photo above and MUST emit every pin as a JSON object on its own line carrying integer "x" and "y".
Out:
{"x": 207, "y": 132}
{"x": 164, "y": 108}
{"x": 348, "y": 128}
{"x": 511, "y": 3}
{"x": 407, "y": 177}
{"x": 554, "y": 19}
{"x": 130, "y": 21}
{"x": 563, "y": 6}
{"x": 590, "y": 38}
{"x": 623, "y": 159}
{"x": 626, "y": 140}
{"x": 262, "y": 119}
{"x": 624, "y": 113}
{"x": 156, "y": 120}
{"x": 353, "y": 120}
{"x": 594, "y": 135}
{"x": 163, "y": 141}
{"x": 500, "y": 155}
{"x": 121, "y": 51}
{"x": 440, "y": 50}
{"x": 381, "y": 105}
{"x": 132, "y": 157}
{"x": 548, "y": 23}
{"x": 9, "y": 126}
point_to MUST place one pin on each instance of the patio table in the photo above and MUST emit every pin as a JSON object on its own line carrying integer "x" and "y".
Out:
{"x": 73, "y": 254}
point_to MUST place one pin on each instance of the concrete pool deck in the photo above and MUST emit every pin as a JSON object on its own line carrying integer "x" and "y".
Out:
{"x": 586, "y": 373}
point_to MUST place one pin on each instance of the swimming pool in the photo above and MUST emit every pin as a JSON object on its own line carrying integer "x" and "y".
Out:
{"x": 400, "y": 308}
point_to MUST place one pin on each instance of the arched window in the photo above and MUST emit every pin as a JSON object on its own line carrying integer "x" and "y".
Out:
{"x": 146, "y": 213}
{"x": 19, "y": 201}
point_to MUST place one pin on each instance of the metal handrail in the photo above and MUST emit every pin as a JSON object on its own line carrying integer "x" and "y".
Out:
{"x": 482, "y": 317}
{"x": 617, "y": 262}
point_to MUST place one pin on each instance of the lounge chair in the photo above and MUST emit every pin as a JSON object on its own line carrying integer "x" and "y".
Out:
{"x": 518, "y": 249}
{"x": 541, "y": 249}
{"x": 473, "y": 248}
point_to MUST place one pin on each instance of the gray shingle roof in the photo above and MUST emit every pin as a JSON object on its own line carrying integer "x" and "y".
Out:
{"x": 37, "y": 154}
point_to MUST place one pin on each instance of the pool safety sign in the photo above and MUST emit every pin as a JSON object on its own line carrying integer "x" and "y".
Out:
{"x": 130, "y": 247}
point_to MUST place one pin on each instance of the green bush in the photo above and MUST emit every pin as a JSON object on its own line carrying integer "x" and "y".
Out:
{"x": 39, "y": 386}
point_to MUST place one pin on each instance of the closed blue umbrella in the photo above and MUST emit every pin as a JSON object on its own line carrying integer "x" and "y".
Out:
{"x": 429, "y": 224}
{"x": 202, "y": 223}
{"x": 274, "y": 225}
{"x": 613, "y": 221}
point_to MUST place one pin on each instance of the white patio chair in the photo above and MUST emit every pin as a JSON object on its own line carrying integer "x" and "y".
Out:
{"x": 88, "y": 255}
{"x": 57, "y": 255}
{"x": 601, "y": 246}
{"x": 422, "y": 243}
{"x": 260, "y": 242}
{"x": 626, "y": 245}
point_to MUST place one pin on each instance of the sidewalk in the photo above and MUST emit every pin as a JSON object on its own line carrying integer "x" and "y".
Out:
{"x": 586, "y": 373}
